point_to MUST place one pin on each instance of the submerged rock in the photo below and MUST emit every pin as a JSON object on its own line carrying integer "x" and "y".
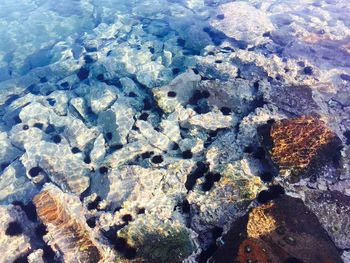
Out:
{"x": 69, "y": 234}
{"x": 303, "y": 144}
{"x": 242, "y": 21}
{"x": 273, "y": 232}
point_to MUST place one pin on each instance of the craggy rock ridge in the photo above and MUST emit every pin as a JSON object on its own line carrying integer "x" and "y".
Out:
{"x": 273, "y": 232}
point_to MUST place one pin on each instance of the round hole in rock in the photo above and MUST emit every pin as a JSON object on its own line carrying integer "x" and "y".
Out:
{"x": 91, "y": 222}
{"x": 176, "y": 71}
{"x": 157, "y": 159}
{"x": 225, "y": 110}
{"x": 144, "y": 116}
{"x": 187, "y": 154}
{"x": 103, "y": 170}
{"x": 140, "y": 211}
{"x": 87, "y": 159}
{"x": 33, "y": 172}
{"x": 56, "y": 139}
{"x": 14, "y": 229}
{"x": 25, "y": 127}
{"x": 75, "y": 150}
{"x": 308, "y": 70}
{"x": 171, "y": 94}
{"x": 220, "y": 16}
{"x": 264, "y": 197}
{"x": 127, "y": 218}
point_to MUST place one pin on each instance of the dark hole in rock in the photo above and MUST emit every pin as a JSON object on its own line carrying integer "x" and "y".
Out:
{"x": 91, "y": 222}
{"x": 276, "y": 191}
{"x": 132, "y": 94}
{"x": 211, "y": 53}
{"x": 151, "y": 49}
{"x": 181, "y": 42}
{"x": 109, "y": 53}
{"x": 206, "y": 254}
{"x": 190, "y": 182}
{"x": 49, "y": 254}
{"x": 266, "y": 177}
{"x": 76, "y": 150}
{"x": 25, "y": 127}
{"x": 217, "y": 231}
{"x": 130, "y": 253}
{"x": 207, "y": 185}
{"x": 345, "y": 77}
{"x": 144, "y": 116}
{"x": 248, "y": 149}
{"x": 172, "y": 94}
{"x": 157, "y": 159}
{"x": 176, "y": 71}
{"x": 197, "y": 95}
{"x": 100, "y": 77}
{"x": 90, "y": 49}
{"x": 127, "y": 218}
{"x": 14, "y": 229}
{"x": 195, "y": 71}
{"x": 29, "y": 209}
{"x": 269, "y": 79}
{"x": 264, "y": 196}
{"x": 56, "y": 139}
{"x": 21, "y": 259}
{"x": 140, "y": 211}
{"x": 88, "y": 59}
{"x": 41, "y": 230}
{"x": 135, "y": 128}
{"x": 267, "y": 34}
{"x": 51, "y": 101}
{"x": 103, "y": 170}
{"x": 109, "y": 136}
{"x": 187, "y": 154}
{"x": 185, "y": 206}
{"x": 146, "y": 155}
{"x": 87, "y": 159}
{"x": 50, "y": 128}
{"x": 94, "y": 204}
{"x": 308, "y": 70}
{"x": 205, "y": 94}
{"x": 175, "y": 146}
{"x": 64, "y": 84}
{"x": 38, "y": 125}
{"x": 83, "y": 74}
{"x": 218, "y": 61}
{"x": 225, "y": 110}
{"x": 11, "y": 99}
{"x": 33, "y": 172}
{"x": 220, "y": 16}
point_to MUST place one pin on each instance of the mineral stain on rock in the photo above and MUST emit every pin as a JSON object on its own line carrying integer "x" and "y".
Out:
{"x": 70, "y": 237}
{"x": 302, "y": 144}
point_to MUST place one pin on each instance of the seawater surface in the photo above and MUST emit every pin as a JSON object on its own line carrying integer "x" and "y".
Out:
{"x": 135, "y": 131}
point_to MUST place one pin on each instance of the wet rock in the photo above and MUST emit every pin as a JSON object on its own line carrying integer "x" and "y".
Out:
{"x": 303, "y": 144}
{"x": 157, "y": 241}
{"x": 69, "y": 234}
{"x": 274, "y": 233}
{"x": 242, "y": 21}
{"x": 333, "y": 211}
{"x": 295, "y": 99}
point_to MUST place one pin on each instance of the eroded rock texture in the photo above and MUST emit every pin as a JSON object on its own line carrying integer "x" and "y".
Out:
{"x": 274, "y": 232}
{"x": 69, "y": 236}
{"x": 302, "y": 142}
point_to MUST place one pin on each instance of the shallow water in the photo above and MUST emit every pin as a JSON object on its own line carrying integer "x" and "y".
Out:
{"x": 143, "y": 117}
